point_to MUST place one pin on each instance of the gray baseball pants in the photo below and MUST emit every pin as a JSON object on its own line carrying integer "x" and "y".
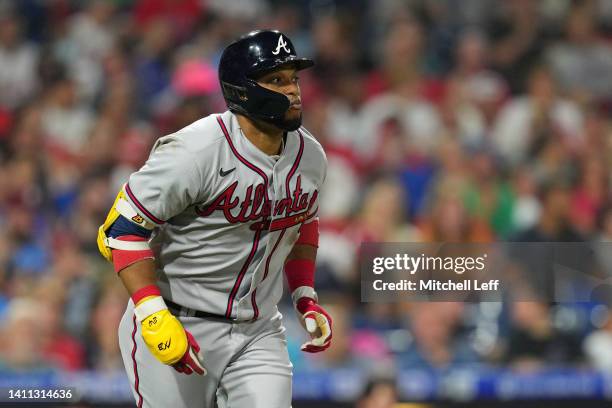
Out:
{"x": 247, "y": 362}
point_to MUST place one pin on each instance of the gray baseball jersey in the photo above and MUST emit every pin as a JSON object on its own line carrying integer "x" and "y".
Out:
{"x": 228, "y": 214}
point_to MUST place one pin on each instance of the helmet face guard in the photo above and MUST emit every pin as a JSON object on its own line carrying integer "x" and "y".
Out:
{"x": 250, "y": 56}
{"x": 255, "y": 101}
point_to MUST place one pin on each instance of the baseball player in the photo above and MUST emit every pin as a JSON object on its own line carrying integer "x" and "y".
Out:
{"x": 200, "y": 236}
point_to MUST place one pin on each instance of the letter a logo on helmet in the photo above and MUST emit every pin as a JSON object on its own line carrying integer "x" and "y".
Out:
{"x": 281, "y": 44}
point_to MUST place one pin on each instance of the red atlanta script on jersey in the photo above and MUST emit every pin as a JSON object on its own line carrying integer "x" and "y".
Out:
{"x": 255, "y": 206}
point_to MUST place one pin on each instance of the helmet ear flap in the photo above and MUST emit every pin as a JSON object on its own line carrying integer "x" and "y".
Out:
{"x": 233, "y": 92}
{"x": 255, "y": 100}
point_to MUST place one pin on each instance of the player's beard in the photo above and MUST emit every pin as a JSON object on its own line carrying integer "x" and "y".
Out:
{"x": 290, "y": 124}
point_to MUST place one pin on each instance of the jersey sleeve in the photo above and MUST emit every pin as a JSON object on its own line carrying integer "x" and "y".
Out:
{"x": 168, "y": 183}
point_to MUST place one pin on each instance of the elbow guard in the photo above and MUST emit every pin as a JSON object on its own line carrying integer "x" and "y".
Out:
{"x": 107, "y": 243}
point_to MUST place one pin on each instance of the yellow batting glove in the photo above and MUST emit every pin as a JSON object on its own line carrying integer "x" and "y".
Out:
{"x": 165, "y": 336}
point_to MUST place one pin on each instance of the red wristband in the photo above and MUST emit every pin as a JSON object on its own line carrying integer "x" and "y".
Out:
{"x": 149, "y": 290}
{"x": 300, "y": 272}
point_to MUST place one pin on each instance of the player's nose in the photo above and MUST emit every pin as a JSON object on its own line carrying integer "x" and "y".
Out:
{"x": 292, "y": 90}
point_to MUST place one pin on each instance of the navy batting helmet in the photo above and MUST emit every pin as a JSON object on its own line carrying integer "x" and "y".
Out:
{"x": 252, "y": 55}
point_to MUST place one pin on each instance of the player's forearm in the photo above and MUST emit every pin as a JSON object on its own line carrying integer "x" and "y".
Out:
{"x": 300, "y": 269}
{"x": 300, "y": 263}
{"x": 302, "y": 251}
{"x": 138, "y": 275}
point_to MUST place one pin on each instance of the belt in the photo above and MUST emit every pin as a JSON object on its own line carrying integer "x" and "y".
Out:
{"x": 179, "y": 310}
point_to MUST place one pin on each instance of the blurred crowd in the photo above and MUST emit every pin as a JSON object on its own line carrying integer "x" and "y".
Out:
{"x": 443, "y": 121}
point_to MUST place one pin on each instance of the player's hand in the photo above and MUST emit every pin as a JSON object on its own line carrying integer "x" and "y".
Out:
{"x": 191, "y": 360}
{"x": 166, "y": 338}
{"x": 318, "y": 324}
